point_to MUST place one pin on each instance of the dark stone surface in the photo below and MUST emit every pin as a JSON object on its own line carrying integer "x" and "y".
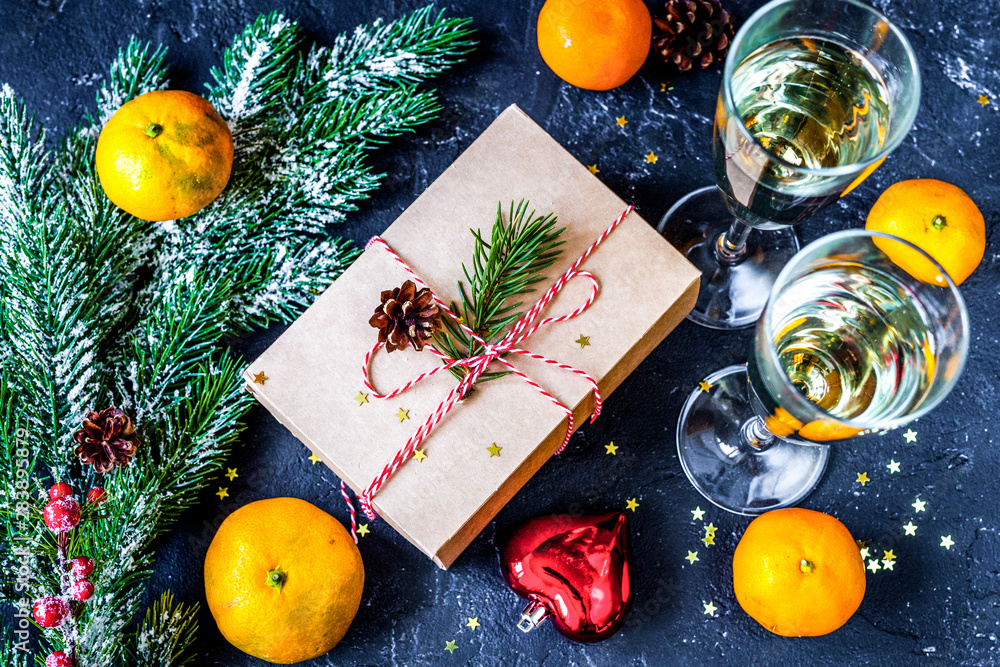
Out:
{"x": 935, "y": 604}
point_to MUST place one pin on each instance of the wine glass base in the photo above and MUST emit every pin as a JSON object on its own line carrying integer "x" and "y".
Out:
{"x": 732, "y": 296}
{"x": 734, "y": 476}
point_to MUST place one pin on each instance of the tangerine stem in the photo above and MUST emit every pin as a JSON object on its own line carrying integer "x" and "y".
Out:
{"x": 806, "y": 566}
{"x": 153, "y": 130}
{"x": 276, "y": 578}
{"x": 939, "y": 222}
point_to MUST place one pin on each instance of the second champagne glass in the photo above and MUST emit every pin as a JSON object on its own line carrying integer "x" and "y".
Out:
{"x": 815, "y": 94}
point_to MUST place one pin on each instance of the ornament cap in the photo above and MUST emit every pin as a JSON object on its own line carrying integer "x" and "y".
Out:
{"x": 532, "y": 616}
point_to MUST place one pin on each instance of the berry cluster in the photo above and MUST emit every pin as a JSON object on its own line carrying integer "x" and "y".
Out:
{"x": 61, "y": 515}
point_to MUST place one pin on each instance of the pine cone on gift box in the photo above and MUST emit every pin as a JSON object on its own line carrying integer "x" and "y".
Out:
{"x": 689, "y": 33}
{"x": 107, "y": 440}
{"x": 406, "y": 316}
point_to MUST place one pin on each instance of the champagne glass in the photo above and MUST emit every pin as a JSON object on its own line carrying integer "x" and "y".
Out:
{"x": 850, "y": 342}
{"x": 815, "y": 95}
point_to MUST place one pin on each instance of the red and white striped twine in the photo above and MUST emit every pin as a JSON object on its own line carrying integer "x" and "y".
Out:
{"x": 477, "y": 365}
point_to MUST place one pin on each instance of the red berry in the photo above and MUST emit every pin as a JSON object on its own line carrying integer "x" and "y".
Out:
{"x": 82, "y": 567}
{"x": 58, "y": 659}
{"x": 59, "y": 490}
{"x": 62, "y": 514}
{"x": 97, "y": 496}
{"x": 50, "y": 611}
{"x": 82, "y": 590}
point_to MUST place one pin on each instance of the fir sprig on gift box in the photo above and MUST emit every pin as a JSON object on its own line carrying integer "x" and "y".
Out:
{"x": 99, "y": 308}
{"x": 504, "y": 268}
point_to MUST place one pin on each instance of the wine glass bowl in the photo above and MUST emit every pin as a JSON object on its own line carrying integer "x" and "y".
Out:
{"x": 849, "y": 343}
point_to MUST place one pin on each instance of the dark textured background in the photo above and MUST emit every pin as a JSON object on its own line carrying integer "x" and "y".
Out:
{"x": 936, "y": 604}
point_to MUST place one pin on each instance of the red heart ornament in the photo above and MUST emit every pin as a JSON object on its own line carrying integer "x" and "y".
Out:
{"x": 575, "y": 569}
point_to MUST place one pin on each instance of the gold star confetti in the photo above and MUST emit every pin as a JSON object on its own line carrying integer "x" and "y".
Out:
{"x": 860, "y": 543}
{"x": 620, "y": 121}
{"x": 494, "y": 450}
{"x": 223, "y": 492}
{"x": 692, "y": 557}
{"x": 865, "y": 552}
{"x": 947, "y": 542}
{"x": 888, "y": 555}
{"x": 874, "y": 566}
{"x": 983, "y": 100}
{"x": 893, "y": 466}
{"x": 451, "y": 646}
{"x": 918, "y": 506}
{"x": 402, "y": 415}
{"x": 473, "y": 622}
{"x": 862, "y": 478}
{"x": 582, "y": 341}
{"x": 710, "y": 608}
{"x": 315, "y": 459}
{"x": 611, "y": 449}
{"x": 631, "y": 504}
{"x": 710, "y": 529}
{"x": 888, "y": 564}
{"x": 651, "y": 157}
{"x": 593, "y": 169}
{"x": 910, "y": 435}
{"x": 231, "y": 474}
{"x": 419, "y": 455}
{"x": 361, "y": 398}
{"x": 709, "y": 540}
{"x": 363, "y": 529}
{"x": 705, "y": 386}
{"x": 697, "y": 513}
{"x": 909, "y": 529}
{"x": 260, "y": 378}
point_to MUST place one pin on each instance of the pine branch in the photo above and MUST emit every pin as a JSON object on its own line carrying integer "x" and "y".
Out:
{"x": 166, "y": 634}
{"x": 506, "y": 267}
{"x": 136, "y": 70}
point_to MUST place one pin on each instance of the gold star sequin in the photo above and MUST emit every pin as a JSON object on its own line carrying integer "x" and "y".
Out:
{"x": 893, "y": 466}
{"x": 315, "y": 459}
{"x": 910, "y": 435}
{"x": 710, "y": 608}
{"x": 692, "y": 557}
{"x": 865, "y": 552}
{"x": 582, "y": 341}
{"x": 361, "y": 398}
{"x": 888, "y": 564}
{"x": 402, "y": 415}
{"x": 919, "y": 505}
{"x": 663, "y": 87}
{"x": 651, "y": 157}
{"x": 494, "y": 450}
{"x": 862, "y": 478}
{"x": 874, "y": 566}
{"x": 697, "y": 513}
{"x": 363, "y": 529}
{"x": 709, "y": 540}
{"x": 593, "y": 169}
{"x": 947, "y": 542}
{"x": 888, "y": 555}
{"x": 983, "y": 100}
{"x": 705, "y": 386}
{"x": 631, "y": 504}
{"x": 611, "y": 448}
{"x": 451, "y": 646}
{"x": 231, "y": 474}
{"x": 620, "y": 121}
{"x": 909, "y": 528}
{"x": 260, "y": 378}
{"x": 223, "y": 492}
{"x": 710, "y": 529}
{"x": 419, "y": 455}
{"x": 473, "y": 622}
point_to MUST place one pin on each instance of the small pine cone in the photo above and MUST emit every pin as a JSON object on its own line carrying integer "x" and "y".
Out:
{"x": 688, "y": 33}
{"x": 406, "y": 316}
{"x": 107, "y": 440}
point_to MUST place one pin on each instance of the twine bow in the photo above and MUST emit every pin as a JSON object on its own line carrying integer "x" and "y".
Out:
{"x": 477, "y": 364}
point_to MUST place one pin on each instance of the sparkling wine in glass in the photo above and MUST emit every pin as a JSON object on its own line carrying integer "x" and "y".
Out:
{"x": 815, "y": 95}
{"x": 849, "y": 343}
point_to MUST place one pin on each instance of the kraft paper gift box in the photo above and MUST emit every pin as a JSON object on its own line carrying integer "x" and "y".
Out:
{"x": 314, "y": 373}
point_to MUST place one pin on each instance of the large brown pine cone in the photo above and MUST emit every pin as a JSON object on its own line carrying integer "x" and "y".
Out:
{"x": 106, "y": 440}
{"x": 406, "y": 316}
{"x": 689, "y": 33}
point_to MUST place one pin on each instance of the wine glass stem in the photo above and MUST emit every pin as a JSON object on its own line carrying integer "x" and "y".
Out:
{"x": 755, "y": 435}
{"x": 731, "y": 247}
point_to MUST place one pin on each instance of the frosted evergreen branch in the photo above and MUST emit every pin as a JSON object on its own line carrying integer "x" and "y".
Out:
{"x": 167, "y": 633}
{"x": 136, "y": 70}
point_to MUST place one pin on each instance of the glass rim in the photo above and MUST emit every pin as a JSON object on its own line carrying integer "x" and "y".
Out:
{"x": 841, "y": 170}
{"x": 804, "y": 405}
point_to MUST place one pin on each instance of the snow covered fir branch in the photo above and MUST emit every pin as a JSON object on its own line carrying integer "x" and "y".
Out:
{"x": 98, "y": 308}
